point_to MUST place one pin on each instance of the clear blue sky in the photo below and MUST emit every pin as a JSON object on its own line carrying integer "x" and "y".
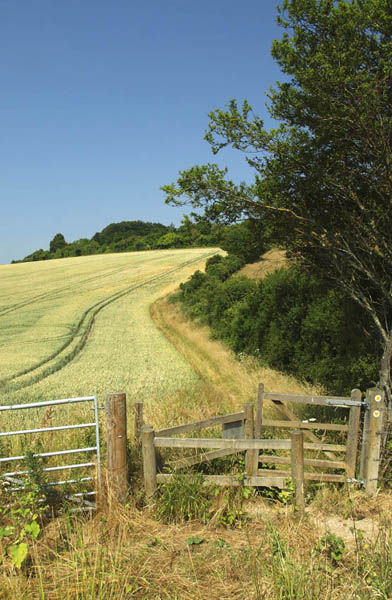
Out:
{"x": 104, "y": 101}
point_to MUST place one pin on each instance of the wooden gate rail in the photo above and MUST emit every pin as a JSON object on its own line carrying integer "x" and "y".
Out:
{"x": 241, "y": 432}
{"x": 197, "y": 425}
{"x": 352, "y": 403}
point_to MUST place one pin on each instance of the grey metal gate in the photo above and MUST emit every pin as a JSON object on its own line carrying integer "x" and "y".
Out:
{"x": 15, "y": 478}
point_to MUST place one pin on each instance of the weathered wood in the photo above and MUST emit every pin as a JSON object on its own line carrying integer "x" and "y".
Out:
{"x": 149, "y": 461}
{"x": 293, "y": 417}
{"x": 297, "y": 469}
{"x": 237, "y": 445}
{"x": 304, "y": 425}
{"x": 336, "y": 401}
{"x": 233, "y": 480}
{"x": 190, "y": 461}
{"x": 259, "y": 411}
{"x": 138, "y": 409}
{"x": 352, "y": 436}
{"x": 233, "y": 431}
{"x": 251, "y": 456}
{"x": 196, "y": 425}
{"x": 308, "y": 462}
{"x": 116, "y": 435}
{"x": 364, "y": 446}
{"x": 377, "y": 410}
{"x": 332, "y": 477}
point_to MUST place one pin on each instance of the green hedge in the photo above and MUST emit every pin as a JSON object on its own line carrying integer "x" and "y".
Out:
{"x": 290, "y": 320}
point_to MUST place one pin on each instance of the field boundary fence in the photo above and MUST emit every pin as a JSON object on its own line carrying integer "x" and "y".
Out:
{"x": 242, "y": 432}
{"x": 17, "y": 478}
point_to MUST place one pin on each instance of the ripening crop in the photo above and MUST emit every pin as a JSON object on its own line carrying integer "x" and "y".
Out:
{"x": 81, "y": 326}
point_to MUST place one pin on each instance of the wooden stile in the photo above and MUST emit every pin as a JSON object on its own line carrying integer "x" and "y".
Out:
{"x": 252, "y": 443}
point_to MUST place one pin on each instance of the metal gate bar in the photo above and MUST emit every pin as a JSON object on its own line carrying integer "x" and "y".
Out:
{"x": 9, "y": 476}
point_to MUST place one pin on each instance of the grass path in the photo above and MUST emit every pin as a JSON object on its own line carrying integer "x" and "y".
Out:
{"x": 227, "y": 383}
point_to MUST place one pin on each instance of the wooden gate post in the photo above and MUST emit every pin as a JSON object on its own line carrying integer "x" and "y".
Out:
{"x": 251, "y": 456}
{"x": 352, "y": 435}
{"x": 259, "y": 411}
{"x": 297, "y": 469}
{"x": 376, "y": 402}
{"x": 116, "y": 424}
{"x": 149, "y": 461}
{"x": 138, "y": 408}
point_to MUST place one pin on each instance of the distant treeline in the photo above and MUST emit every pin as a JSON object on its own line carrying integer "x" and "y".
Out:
{"x": 129, "y": 236}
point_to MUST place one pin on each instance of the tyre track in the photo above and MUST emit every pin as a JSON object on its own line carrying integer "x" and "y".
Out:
{"x": 82, "y": 329}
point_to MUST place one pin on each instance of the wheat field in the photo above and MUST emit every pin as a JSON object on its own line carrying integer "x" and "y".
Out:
{"x": 81, "y": 326}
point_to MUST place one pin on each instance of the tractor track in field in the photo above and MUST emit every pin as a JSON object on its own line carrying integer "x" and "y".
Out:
{"x": 54, "y": 293}
{"x": 83, "y": 329}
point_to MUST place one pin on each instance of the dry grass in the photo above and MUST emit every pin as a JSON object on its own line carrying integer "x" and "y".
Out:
{"x": 124, "y": 552}
{"x": 128, "y": 554}
{"x": 226, "y": 382}
{"x": 272, "y": 260}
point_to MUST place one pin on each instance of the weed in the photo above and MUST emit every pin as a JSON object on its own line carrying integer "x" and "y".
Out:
{"x": 183, "y": 499}
{"x": 332, "y": 546}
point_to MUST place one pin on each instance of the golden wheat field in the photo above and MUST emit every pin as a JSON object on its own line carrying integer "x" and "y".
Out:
{"x": 81, "y": 326}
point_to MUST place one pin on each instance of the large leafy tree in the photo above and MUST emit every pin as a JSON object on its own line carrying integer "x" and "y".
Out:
{"x": 323, "y": 178}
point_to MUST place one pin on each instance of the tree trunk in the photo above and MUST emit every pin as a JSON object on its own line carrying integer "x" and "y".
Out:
{"x": 385, "y": 370}
{"x": 385, "y": 384}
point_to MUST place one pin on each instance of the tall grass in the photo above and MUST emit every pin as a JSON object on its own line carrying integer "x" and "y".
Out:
{"x": 129, "y": 554}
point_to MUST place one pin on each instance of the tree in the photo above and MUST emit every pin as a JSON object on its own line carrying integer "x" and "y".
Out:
{"x": 246, "y": 240}
{"x": 323, "y": 178}
{"x": 57, "y": 243}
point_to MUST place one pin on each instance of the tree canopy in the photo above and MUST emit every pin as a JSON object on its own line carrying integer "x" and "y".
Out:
{"x": 323, "y": 177}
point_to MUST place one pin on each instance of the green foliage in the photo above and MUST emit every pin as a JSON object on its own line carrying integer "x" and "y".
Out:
{"x": 322, "y": 179}
{"x": 186, "y": 498}
{"x": 332, "y": 546}
{"x": 19, "y": 520}
{"x": 183, "y": 499}
{"x": 130, "y": 236}
{"x": 247, "y": 240}
{"x": 195, "y": 540}
{"x": 291, "y": 320}
{"x": 57, "y": 243}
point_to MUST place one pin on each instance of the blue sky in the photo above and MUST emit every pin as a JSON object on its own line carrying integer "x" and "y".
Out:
{"x": 102, "y": 102}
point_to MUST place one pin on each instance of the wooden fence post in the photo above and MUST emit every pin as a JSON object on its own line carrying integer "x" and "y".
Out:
{"x": 352, "y": 435}
{"x": 149, "y": 461}
{"x": 259, "y": 411}
{"x": 375, "y": 398}
{"x": 364, "y": 446}
{"x": 251, "y": 456}
{"x": 138, "y": 408}
{"x": 117, "y": 467}
{"x": 297, "y": 469}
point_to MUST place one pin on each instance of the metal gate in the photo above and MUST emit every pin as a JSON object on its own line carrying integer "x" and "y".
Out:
{"x": 16, "y": 478}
